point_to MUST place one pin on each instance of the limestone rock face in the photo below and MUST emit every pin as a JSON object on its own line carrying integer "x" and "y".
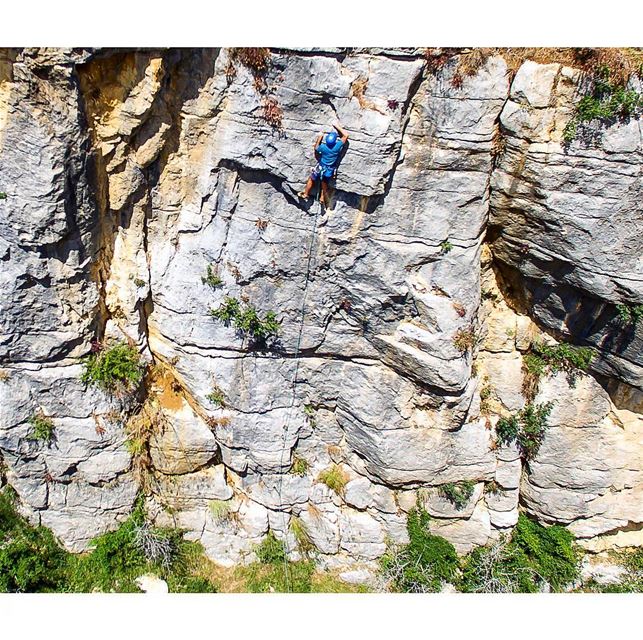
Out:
{"x": 567, "y": 221}
{"x": 406, "y": 306}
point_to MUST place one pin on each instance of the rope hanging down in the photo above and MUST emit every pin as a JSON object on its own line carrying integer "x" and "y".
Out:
{"x": 286, "y": 428}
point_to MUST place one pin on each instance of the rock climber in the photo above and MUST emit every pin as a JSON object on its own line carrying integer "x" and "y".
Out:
{"x": 328, "y": 150}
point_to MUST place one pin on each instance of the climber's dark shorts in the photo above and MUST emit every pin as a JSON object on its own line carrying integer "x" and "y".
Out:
{"x": 319, "y": 171}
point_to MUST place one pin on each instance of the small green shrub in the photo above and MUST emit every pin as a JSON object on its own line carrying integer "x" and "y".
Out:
{"x": 425, "y": 563}
{"x": 445, "y": 246}
{"x": 526, "y": 428}
{"x": 508, "y": 429}
{"x": 116, "y": 368}
{"x": 139, "y": 282}
{"x": 247, "y": 320}
{"x": 629, "y": 314}
{"x": 564, "y": 357}
{"x": 3, "y": 195}
{"x": 606, "y": 102}
{"x": 271, "y": 550}
{"x": 227, "y": 310}
{"x": 42, "y": 427}
{"x": 211, "y": 278}
{"x": 299, "y": 466}
{"x": 30, "y": 558}
{"x": 216, "y": 397}
{"x": 458, "y": 493}
{"x": 544, "y": 359}
{"x": 533, "y": 556}
{"x": 334, "y": 478}
{"x": 551, "y": 551}
{"x": 501, "y": 567}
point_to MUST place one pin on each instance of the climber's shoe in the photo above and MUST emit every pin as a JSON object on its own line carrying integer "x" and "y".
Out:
{"x": 303, "y": 196}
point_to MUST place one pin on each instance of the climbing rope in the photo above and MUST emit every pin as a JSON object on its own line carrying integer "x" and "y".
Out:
{"x": 286, "y": 429}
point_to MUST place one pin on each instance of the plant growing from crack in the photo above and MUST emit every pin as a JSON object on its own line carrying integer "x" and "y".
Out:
{"x": 458, "y": 493}
{"x": 299, "y": 466}
{"x": 526, "y": 428}
{"x": 217, "y": 397}
{"x": 42, "y": 427}
{"x": 445, "y": 246}
{"x": 608, "y": 100}
{"x": 464, "y": 339}
{"x": 117, "y": 368}
{"x": 423, "y": 565}
{"x": 335, "y": 478}
{"x": 629, "y": 314}
{"x": 247, "y": 320}
{"x": 543, "y": 359}
{"x": 211, "y": 278}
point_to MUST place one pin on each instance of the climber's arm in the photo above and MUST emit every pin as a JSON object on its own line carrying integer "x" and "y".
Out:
{"x": 320, "y": 137}
{"x": 342, "y": 132}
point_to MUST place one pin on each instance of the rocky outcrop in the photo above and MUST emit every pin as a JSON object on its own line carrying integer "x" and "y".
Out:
{"x": 128, "y": 173}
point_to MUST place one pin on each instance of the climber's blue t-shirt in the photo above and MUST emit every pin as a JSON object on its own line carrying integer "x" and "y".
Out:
{"x": 329, "y": 156}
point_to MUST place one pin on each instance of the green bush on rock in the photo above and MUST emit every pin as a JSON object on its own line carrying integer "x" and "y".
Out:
{"x": 533, "y": 557}
{"x": 31, "y": 560}
{"x": 425, "y": 563}
{"x": 526, "y": 428}
{"x": 116, "y": 368}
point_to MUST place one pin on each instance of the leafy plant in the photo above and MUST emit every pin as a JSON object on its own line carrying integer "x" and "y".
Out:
{"x": 608, "y": 101}
{"x": 227, "y": 311}
{"x": 247, "y": 320}
{"x": 31, "y": 560}
{"x": 629, "y": 314}
{"x": 551, "y": 551}
{"x": 299, "y": 466}
{"x": 334, "y": 478}
{"x": 445, "y": 246}
{"x": 544, "y": 358}
{"x": 116, "y": 368}
{"x": 501, "y": 567}
{"x": 139, "y": 282}
{"x": 42, "y": 427}
{"x": 3, "y": 195}
{"x": 216, "y": 397}
{"x": 271, "y": 550}
{"x": 459, "y": 493}
{"x": 464, "y": 339}
{"x": 425, "y": 563}
{"x": 534, "y": 555}
{"x": 526, "y": 428}
{"x": 211, "y": 278}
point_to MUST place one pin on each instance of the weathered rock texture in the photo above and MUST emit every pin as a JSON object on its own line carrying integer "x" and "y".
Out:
{"x": 127, "y": 173}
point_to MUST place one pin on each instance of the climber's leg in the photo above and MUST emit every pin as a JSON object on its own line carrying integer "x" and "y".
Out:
{"x": 305, "y": 194}
{"x": 325, "y": 200}
{"x": 314, "y": 176}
